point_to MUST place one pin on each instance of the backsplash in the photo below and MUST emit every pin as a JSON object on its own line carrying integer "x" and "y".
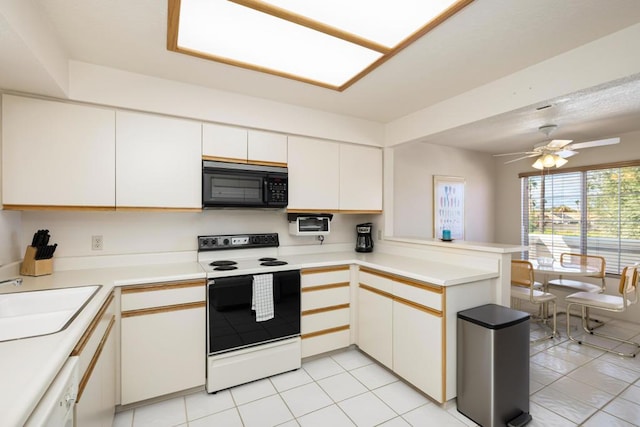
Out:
{"x": 154, "y": 232}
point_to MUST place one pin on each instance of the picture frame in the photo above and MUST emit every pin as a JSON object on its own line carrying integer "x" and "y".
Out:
{"x": 448, "y": 206}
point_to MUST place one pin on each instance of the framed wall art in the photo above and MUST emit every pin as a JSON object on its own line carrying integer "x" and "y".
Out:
{"x": 448, "y": 207}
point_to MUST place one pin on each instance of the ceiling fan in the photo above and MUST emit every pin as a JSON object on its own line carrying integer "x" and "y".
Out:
{"x": 556, "y": 151}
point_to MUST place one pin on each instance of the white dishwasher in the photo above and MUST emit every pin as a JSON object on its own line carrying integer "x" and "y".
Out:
{"x": 56, "y": 407}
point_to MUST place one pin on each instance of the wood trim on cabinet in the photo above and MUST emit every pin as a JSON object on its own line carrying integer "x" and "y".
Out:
{"x": 376, "y": 291}
{"x": 173, "y": 24}
{"x": 163, "y": 309}
{"x": 315, "y": 211}
{"x": 92, "y": 327}
{"x": 317, "y": 270}
{"x": 224, "y": 159}
{"x": 444, "y": 345}
{"x": 161, "y": 286}
{"x": 155, "y": 209}
{"x": 57, "y": 208}
{"x": 325, "y": 331}
{"x": 404, "y": 280}
{"x": 324, "y": 287}
{"x": 267, "y": 163}
{"x": 325, "y": 309}
{"x": 94, "y": 359}
{"x": 360, "y": 211}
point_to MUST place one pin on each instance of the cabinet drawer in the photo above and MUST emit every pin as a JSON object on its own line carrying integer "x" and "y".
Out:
{"x": 320, "y": 297}
{"x": 325, "y": 319}
{"x": 375, "y": 280}
{"x": 327, "y": 342}
{"x": 425, "y": 295}
{"x": 325, "y": 275}
{"x": 162, "y": 295}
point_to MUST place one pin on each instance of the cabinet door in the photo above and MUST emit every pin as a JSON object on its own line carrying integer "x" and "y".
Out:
{"x": 360, "y": 178}
{"x": 267, "y": 148}
{"x": 224, "y": 143}
{"x": 57, "y": 154}
{"x": 417, "y": 348}
{"x": 374, "y": 326}
{"x": 162, "y": 353}
{"x": 314, "y": 174}
{"x": 159, "y": 162}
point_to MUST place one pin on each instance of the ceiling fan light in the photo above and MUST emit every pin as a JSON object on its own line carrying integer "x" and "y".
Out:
{"x": 548, "y": 160}
{"x": 560, "y": 161}
{"x": 538, "y": 164}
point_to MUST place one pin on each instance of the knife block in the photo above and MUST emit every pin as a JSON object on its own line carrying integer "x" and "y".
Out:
{"x": 35, "y": 267}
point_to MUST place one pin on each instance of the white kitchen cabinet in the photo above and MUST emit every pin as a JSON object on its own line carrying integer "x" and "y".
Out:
{"x": 162, "y": 339}
{"x": 267, "y": 148}
{"x": 57, "y": 154}
{"x": 326, "y": 312}
{"x": 360, "y": 178}
{"x": 158, "y": 162}
{"x": 96, "y": 401}
{"x": 314, "y": 175}
{"x": 417, "y": 348}
{"x": 224, "y": 143}
{"x": 375, "y": 316}
{"x": 237, "y": 145}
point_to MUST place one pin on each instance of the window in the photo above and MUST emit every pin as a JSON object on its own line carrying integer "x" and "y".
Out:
{"x": 593, "y": 210}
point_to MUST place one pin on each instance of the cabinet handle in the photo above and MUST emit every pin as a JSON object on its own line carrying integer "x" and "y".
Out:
{"x": 163, "y": 309}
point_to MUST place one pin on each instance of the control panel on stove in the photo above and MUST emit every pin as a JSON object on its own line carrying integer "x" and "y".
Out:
{"x": 237, "y": 241}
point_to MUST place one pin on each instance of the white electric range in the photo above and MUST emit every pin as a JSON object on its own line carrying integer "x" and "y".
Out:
{"x": 253, "y": 309}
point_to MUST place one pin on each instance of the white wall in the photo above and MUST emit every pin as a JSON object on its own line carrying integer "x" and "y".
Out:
{"x": 415, "y": 164}
{"x": 156, "y": 232}
{"x": 11, "y": 248}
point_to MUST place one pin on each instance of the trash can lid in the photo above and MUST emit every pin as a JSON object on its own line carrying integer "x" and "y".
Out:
{"x": 493, "y": 316}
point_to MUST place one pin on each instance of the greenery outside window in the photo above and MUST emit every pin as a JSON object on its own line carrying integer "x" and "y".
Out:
{"x": 591, "y": 210}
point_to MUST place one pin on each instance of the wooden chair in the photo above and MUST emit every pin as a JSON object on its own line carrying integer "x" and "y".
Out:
{"x": 523, "y": 288}
{"x": 592, "y": 262}
{"x": 628, "y": 295}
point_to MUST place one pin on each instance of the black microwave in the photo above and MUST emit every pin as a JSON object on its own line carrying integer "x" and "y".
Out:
{"x": 236, "y": 185}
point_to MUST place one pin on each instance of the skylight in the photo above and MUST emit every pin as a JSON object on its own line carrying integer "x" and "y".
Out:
{"x": 329, "y": 43}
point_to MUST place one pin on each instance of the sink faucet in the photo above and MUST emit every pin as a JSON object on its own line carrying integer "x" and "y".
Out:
{"x": 15, "y": 282}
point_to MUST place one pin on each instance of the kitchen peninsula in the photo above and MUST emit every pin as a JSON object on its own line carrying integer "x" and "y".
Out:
{"x": 458, "y": 275}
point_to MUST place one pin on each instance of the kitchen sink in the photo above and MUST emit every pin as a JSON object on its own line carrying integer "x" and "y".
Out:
{"x": 33, "y": 313}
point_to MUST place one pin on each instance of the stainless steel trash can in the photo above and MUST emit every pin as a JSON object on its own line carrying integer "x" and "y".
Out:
{"x": 493, "y": 365}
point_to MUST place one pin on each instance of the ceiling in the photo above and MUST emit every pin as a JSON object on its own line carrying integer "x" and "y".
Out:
{"x": 487, "y": 40}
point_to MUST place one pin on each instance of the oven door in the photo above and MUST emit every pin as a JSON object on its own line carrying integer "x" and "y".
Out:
{"x": 231, "y": 323}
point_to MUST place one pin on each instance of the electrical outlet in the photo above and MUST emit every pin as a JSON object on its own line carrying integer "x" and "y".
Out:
{"x": 96, "y": 243}
{"x": 379, "y": 234}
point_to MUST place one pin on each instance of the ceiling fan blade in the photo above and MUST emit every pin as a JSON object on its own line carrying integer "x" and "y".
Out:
{"x": 521, "y": 158}
{"x": 596, "y": 143}
{"x": 513, "y": 154}
{"x": 565, "y": 154}
{"x": 559, "y": 143}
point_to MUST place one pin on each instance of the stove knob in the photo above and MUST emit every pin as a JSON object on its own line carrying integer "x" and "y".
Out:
{"x": 225, "y": 242}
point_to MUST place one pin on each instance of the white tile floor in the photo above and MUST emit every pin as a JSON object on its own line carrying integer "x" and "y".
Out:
{"x": 570, "y": 385}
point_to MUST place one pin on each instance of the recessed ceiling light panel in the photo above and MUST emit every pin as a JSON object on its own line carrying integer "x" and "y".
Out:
{"x": 329, "y": 43}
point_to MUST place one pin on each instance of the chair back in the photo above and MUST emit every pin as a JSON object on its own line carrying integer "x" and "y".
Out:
{"x": 628, "y": 287}
{"x": 522, "y": 273}
{"x": 596, "y": 263}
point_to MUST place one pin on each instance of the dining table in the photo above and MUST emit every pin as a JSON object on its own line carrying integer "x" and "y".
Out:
{"x": 555, "y": 269}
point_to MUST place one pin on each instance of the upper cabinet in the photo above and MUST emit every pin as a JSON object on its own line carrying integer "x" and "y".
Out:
{"x": 314, "y": 175}
{"x": 57, "y": 154}
{"x": 360, "y": 178}
{"x": 159, "y": 162}
{"x": 327, "y": 176}
{"x": 237, "y": 145}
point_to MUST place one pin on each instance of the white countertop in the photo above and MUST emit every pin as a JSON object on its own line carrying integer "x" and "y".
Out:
{"x": 28, "y": 366}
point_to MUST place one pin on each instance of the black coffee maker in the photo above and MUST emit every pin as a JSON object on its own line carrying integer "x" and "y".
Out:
{"x": 364, "y": 241}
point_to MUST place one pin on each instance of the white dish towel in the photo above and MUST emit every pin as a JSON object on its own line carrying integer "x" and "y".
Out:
{"x": 262, "y": 297}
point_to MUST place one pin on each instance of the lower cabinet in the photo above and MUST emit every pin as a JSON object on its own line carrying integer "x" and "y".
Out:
{"x": 162, "y": 339}
{"x": 325, "y": 309}
{"x": 97, "y": 392}
{"x": 400, "y": 324}
{"x": 375, "y": 327}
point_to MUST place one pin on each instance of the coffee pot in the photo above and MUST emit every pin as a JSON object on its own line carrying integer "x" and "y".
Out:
{"x": 364, "y": 240}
